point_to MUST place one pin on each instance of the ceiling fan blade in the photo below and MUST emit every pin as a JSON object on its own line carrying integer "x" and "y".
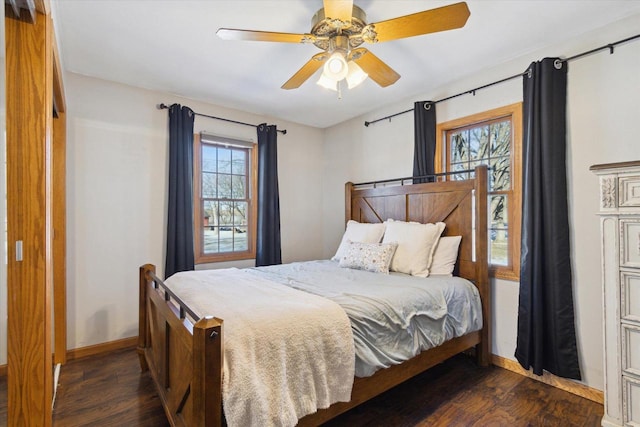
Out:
{"x": 429, "y": 21}
{"x": 263, "y": 36}
{"x": 338, "y": 9}
{"x": 306, "y": 71}
{"x": 377, "y": 70}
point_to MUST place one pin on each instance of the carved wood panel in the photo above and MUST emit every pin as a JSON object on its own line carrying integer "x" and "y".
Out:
{"x": 451, "y": 203}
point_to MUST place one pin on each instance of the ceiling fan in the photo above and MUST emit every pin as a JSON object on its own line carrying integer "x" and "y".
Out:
{"x": 340, "y": 27}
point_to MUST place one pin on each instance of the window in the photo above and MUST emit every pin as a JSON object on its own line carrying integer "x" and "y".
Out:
{"x": 224, "y": 188}
{"x": 492, "y": 138}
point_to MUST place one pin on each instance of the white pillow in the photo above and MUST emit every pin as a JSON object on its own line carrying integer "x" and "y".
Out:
{"x": 359, "y": 232}
{"x": 416, "y": 243}
{"x": 374, "y": 257}
{"x": 445, "y": 255}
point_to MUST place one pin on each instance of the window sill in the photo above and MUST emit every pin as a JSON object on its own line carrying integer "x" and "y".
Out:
{"x": 504, "y": 274}
{"x": 237, "y": 256}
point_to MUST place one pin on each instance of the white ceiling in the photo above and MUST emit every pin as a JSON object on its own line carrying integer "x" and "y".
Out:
{"x": 171, "y": 46}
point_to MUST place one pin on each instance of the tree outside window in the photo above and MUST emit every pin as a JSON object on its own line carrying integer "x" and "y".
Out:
{"x": 491, "y": 138}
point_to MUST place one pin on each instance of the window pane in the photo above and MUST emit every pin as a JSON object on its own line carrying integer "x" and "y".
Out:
{"x": 239, "y": 162}
{"x": 209, "y": 185}
{"x": 240, "y": 240}
{"x": 501, "y": 139}
{"x": 498, "y": 214}
{"x": 238, "y": 187}
{"x": 224, "y": 160}
{"x": 498, "y": 231}
{"x": 459, "y": 147}
{"x": 226, "y": 214}
{"x": 500, "y": 174}
{"x": 473, "y": 165}
{"x": 460, "y": 167}
{"x": 499, "y": 246}
{"x": 224, "y": 186}
{"x": 479, "y": 142}
{"x": 210, "y": 232}
{"x": 240, "y": 214}
{"x": 225, "y": 229}
{"x": 208, "y": 158}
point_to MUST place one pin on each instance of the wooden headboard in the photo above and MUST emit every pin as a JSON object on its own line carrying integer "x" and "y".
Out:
{"x": 461, "y": 204}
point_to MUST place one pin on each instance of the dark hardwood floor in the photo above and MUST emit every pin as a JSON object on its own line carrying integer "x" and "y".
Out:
{"x": 109, "y": 390}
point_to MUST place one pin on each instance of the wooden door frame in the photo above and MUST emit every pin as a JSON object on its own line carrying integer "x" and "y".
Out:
{"x": 36, "y": 234}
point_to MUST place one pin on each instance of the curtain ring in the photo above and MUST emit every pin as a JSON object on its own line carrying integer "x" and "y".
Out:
{"x": 558, "y": 64}
{"x": 427, "y": 106}
{"x": 529, "y": 73}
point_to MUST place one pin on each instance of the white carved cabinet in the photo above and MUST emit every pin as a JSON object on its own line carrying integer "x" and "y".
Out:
{"x": 620, "y": 232}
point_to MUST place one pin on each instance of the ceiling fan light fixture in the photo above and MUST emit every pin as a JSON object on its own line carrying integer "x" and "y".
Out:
{"x": 356, "y": 75}
{"x": 336, "y": 67}
{"x": 327, "y": 83}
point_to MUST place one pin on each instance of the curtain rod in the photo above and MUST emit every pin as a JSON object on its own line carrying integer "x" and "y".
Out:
{"x": 164, "y": 106}
{"x": 609, "y": 46}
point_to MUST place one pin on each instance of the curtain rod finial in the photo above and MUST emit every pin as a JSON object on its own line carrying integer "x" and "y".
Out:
{"x": 366, "y": 124}
{"x": 162, "y": 106}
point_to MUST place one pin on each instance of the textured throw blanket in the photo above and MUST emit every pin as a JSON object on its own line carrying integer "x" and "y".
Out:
{"x": 287, "y": 353}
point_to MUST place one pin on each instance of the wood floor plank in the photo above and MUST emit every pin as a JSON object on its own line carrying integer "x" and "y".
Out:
{"x": 110, "y": 390}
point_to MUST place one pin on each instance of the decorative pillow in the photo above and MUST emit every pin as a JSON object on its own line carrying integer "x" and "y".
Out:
{"x": 445, "y": 255}
{"x": 416, "y": 243}
{"x": 374, "y": 257}
{"x": 359, "y": 232}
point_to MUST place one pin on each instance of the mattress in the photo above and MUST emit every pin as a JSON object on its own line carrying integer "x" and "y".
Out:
{"x": 393, "y": 316}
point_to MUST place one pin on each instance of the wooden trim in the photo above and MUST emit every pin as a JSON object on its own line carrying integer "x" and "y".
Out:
{"x": 43, "y": 6}
{"x": 59, "y": 103}
{"x": 59, "y": 154}
{"x": 106, "y": 347}
{"x": 92, "y": 350}
{"x": 552, "y": 380}
{"x": 29, "y": 99}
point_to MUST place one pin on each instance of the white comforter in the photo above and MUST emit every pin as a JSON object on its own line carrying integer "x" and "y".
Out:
{"x": 277, "y": 368}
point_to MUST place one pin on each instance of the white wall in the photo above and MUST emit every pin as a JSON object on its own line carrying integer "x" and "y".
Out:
{"x": 603, "y": 93}
{"x": 116, "y": 189}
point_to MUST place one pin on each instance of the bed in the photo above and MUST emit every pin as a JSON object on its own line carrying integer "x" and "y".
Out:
{"x": 184, "y": 350}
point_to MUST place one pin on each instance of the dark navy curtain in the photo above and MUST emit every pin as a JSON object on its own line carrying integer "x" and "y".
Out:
{"x": 546, "y": 330}
{"x": 268, "y": 233}
{"x": 180, "y": 256}
{"x": 424, "y": 129}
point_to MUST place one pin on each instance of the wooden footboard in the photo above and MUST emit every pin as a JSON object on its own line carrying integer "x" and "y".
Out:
{"x": 185, "y": 359}
{"x": 183, "y": 353}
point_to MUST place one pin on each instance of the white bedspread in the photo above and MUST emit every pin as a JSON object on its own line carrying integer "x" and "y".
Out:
{"x": 277, "y": 368}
